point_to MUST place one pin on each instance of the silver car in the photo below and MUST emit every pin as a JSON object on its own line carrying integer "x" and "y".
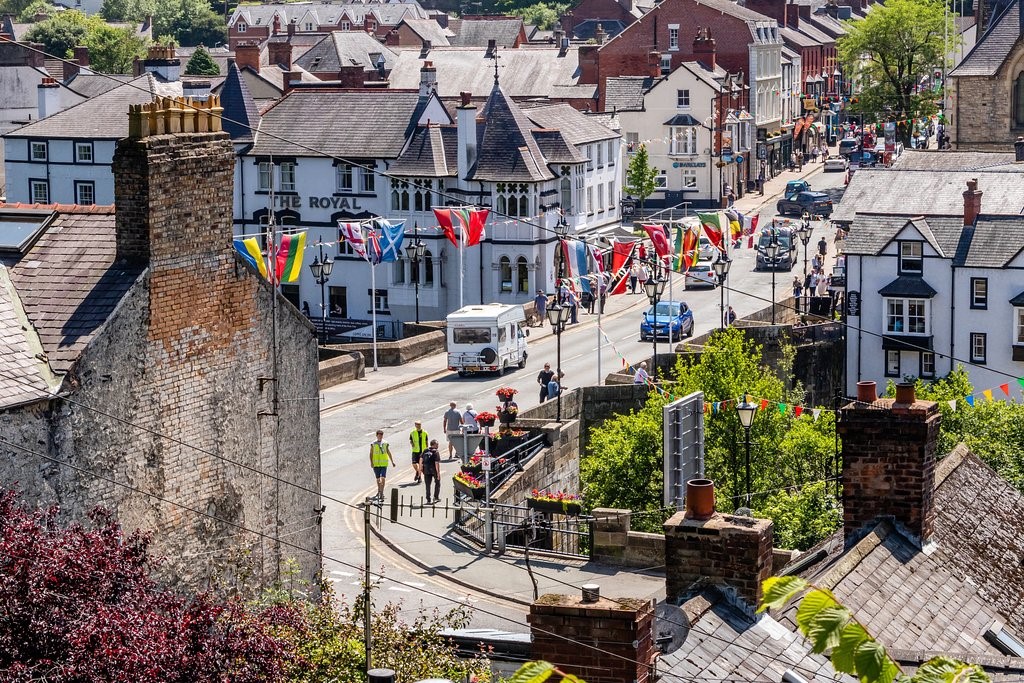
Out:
{"x": 700, "y": 275}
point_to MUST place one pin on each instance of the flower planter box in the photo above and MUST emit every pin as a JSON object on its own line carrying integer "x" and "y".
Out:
{"x": 505, "y": 444}
{"x": 555, "y": 507}
{"x": 468, "y": 491}
{"x": 475, "y": 470}
{"x": 485, "y": 423}
{"x": 507, "y": 418}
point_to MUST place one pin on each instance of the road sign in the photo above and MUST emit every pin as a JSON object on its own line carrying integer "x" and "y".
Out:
{"x": 485, "y": 463}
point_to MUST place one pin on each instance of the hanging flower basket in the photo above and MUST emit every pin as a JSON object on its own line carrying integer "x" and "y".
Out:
{"x": 506, "y": 393}
{"x": 555, "y": 502}
{"x": 471, "y": 492}
{"x": 486, "y": 419}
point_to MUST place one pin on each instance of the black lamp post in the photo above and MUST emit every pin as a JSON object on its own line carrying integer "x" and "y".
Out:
{"x": 558, "y": 316}
{"x": 804, "y": 233}
{"x": 654, "y": 289}
{"x": 772, "y": 253}
{"x": 321, "y": 268}
{"x": 415, "y": 252}
{"x": 746, "y": 412}
{"x": 721, "y": 267}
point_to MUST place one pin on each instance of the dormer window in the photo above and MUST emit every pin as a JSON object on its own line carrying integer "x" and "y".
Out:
{"x": 911, "y": 258}
{"x": 346, "y": 26}
{"x": 310, "y": 27}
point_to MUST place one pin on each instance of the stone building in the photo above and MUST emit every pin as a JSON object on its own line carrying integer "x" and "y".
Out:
{"x": 146, "y": 369}
{"x": 987, "y": 86}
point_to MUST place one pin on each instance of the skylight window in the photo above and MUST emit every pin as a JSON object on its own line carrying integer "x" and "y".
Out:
{"x": 1005, "y": 641}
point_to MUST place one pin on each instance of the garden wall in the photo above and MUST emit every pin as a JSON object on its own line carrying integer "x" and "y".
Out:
{"x": 616, "y": 544}
{"x": 556, "y": 467}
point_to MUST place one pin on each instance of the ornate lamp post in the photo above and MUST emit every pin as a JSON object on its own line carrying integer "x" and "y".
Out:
{"x": 654, "y": 289}
{"x": 772, "y": 253}
{"x": 721, "y": 267}
{"x": 746, "y": 412}
{"x": 415, "y": 252}
{"x": 558, "y": 316}
{"x": 804, "y": 233}
{"x": 321, "y": 268}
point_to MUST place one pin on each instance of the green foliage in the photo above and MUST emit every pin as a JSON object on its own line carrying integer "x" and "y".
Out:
{"x": 18, "y": 7}
{"x": 829, "y": 626}
{"x": 36, "y": 7}
{"x": 802, "y": 517}
{"x": 640, "y": 176}
{"x": 61, "y": 33}
{"x": 887, "y": 52}
{"x": 540, "y": 671}
{"x": 201, "y": 64}
{"x": 111, "y": 49}
{"x": 127, "y": 10}
{"x": 543, "y": 15}
{"x": 191, "y": 22}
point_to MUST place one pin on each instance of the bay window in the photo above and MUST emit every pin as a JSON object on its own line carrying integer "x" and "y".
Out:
{"x": 684, "y": 140}
{"x": 906, "y": 316}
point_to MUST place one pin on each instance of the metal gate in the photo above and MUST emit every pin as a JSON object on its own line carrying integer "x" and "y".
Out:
{"x": 518, "y": 526}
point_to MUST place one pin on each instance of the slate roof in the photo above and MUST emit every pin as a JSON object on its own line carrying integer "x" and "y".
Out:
{"x": 524, "y": 72}
{"x": 477, "y": 32}
{"x": 815, "y": 34}
{"x": 944, "y": 599}
{"x": 721, "y": 642}
{"x": 323, "y": 113}
{"x": 346, "y": 48}
{"x": 992, "y": 243}
{"x": 993, "y": 47}
{"x": 388, "y": 13}
{"x": 626, "y": 93}
{"x": 432, "y": 153}
{"x": 578, "y": 128}
{"x": 948, "y": 160}
{"x": 586, "y": 29}
{"x": 901, "y": 192}
{"x": 908, "y": 286}
{"x": 68, "y": 282}
{"x": 95, "y": 118}
{"x": 91, "y": 85}
{"x": 871, "y": 232}
{"x": 428, "y": 29}
{"x": 240, "y": 116}
{"x": 507, "y": 150}
{"x": 556, "y": 149}
{"x": 796, "y": 38}
{"x": 24, "y": 375}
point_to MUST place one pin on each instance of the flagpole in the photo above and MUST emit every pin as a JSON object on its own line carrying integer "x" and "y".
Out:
{"x": 373, "y": 290}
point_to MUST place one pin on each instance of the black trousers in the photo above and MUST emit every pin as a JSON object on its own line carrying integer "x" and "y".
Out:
{"x": 428, "y": 478}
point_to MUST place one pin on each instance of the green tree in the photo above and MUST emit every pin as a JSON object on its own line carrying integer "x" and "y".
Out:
{"x": 17, "y": 7}
{"x": 543, "y": 15}
{"x": 831, "y": 627}
{"x": 36, "y": 8}
{"x": 640, "y": 176}
{"x": 127, "y": 10}
{"x": 802, "y": 517}
{"x": 191, "y": 22}
{"x": 201, "y": 64}
{"x": 60, "y": 33}
{"x": 113, "y": 50}
{"x": 888, "y": 51}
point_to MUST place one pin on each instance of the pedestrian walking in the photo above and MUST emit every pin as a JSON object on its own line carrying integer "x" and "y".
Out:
{"x": 418, "y": 439}
{"x": 469, "y": 424}
{"x": 450, "y": 423}
{"x": 380, "y": 454}
{"x": 543, "y": 377}
{"x": 540, "y": 302}
{"x": 555, "y": 386}
{"x": 798, "y": 290}
{"x": 730, "y": 317}
{"x": 823, "y": 247}
{"x": 634, "y": 276}
{"x": 822, "y": 285}
{"x": 641, "y": 376}
{"x": 642, "y": 277}
{"x": 430, "y": 461}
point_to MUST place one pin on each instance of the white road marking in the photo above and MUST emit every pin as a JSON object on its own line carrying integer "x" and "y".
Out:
{"x": 341, "y": 573}
{"x": 333, "y": 448}
{"x": 399, "y": 589}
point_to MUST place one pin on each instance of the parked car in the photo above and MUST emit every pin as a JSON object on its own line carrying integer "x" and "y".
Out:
{"x": 700, "y": 275}
{"x": 848, "y": 146}
{"x": 796, "y": 187}
{"x": 814, "y": 203}
{"x": 674, "y": 315}
{"x": 836, "y": 164}
{"x": 785, "y": 258}
{"x": 863, "y": 159}
{"x": 707, "y": 250}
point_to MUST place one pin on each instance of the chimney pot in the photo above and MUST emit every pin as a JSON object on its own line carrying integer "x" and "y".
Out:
{"x": 905, "y": 394}
{"x": 467, "y": 97}
{"x": 867, "y": 392}
{"x": 700, "y": 499}
{"x": 591, "y": 592}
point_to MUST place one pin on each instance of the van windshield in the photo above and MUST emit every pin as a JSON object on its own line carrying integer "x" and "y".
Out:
{"x": 471, "y": 335}
{"x": 783, "y": 239}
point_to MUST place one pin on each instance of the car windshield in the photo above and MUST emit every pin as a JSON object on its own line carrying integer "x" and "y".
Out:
{"x": 665, "y": 309}
{"x": 783, "y": 239}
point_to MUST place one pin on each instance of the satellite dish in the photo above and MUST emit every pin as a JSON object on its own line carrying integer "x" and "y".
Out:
{"x": 671, "y": 627}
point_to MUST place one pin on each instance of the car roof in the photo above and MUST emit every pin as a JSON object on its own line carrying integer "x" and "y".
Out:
{"x": 813, "y": 193}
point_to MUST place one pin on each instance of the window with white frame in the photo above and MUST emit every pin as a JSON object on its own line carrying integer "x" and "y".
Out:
{"x": 265, "y": 176}
{"x": 682, "y": 99}
{"x": 505, "y": 268}
{"x": 666, "y": 64}
{"x": 367, "y": 180}
{"x": 689, "y": 179}
{"x": 911, "y": 258}
{"x": 371, "y": 25}
{"x": 513, "y": 199}
{"x": 632, "y": 142}
{"x": 611, "y": 152}
{"x": 684, "y": 140}
{"x": 1018, "y": 328}
{"x": 565, "y": 194}
{"x": 241, "y": 27}
{"x": 892, "y": 363}
{"x": 287, "y": 173}
{"x": 600, "y": 155}
{"x": 612, "y": 199}
{"x": 590, "y": 158}
{"x": 400, "y": 195}
{"x": 979, "y": 292}
{"x": 979, "y": 347}
{"x": 600, "y": 197}
{"x": 39, "y": 190}
{"x": 522, "y": 275}
{"x": 310, "y": 27}
{"x": 590, "y": 199}
{"x": 37, "y": 150}
{"x": 399, "y": 275}
{"x": 906, "y": 316}
{"x": 673, "y": 36}
{"x": 83, "y": 152}
{"x": 346, "y": 26}
{"x": 380, "y": 300}
{"x": 661, "y": 180}
{"x": 927, "y": 364}
{"x": 343, "y": 178}
{"x": 85, "y": 192}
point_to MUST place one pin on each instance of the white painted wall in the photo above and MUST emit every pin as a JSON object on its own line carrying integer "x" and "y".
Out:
{"x": 61, "y": 170}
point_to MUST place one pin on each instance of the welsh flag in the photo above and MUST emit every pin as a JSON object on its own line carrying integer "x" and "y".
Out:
{"x": 469, "y": 223}
{"x": 715, "y": 224}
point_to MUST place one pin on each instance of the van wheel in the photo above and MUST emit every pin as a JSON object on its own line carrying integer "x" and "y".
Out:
{"x": 522, "y": 363}
{"x": 462, "y": 373}
{"x": 504, "y": 368}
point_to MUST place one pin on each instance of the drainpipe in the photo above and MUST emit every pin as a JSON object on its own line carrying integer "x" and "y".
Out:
{"x": 860, "y": 323}
{"x": 952, "y": 316}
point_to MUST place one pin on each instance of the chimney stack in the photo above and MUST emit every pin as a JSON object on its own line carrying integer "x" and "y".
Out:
{"x": 425, "y": 48}
{"x": 889, "y": 462}
{"x": 704, "y": 48}
{"x": 279, "y": 52}
{"x": 247, "y": 54}
{"x": 163, "y": 61}
{"x": 1018, "y": 148}
{"x": 600, "y": 35}
{"x": 428, "y": 79}
{"x": 492, "y": 47}
{"x": 733, "y": 553}
{"x": 466, "y": 122}
{"x": 277, "y": 25}
{"x": 48, "y": 97}
{"x": 972, "y": 202}
{"x": 654, "y": 64}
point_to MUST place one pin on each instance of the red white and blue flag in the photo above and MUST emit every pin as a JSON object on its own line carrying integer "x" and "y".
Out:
{"x": 389, "y": 243}
{"x": 352, "y": 233}
{"x": 576, "y": 261}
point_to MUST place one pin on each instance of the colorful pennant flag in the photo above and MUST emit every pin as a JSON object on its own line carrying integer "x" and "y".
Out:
{"x": 715, "y": 225}
{"x": 249, "y": 249}
{"x": 816, "y": 413}
{"x": 1005, "y": 388}
{"x": 764, "y": 404}
{"x": 970, "y": 400}
{"x": 469, "y": 223}
{"x": 392, "y": 233}
{"x": 289, "y": 256}
{"x": 688, "y": 247}
{"x": 988, "y": 394}
{"x": 352, "y": 233}
{"x": 659, "y": 239}
{"x": 952, "y": 405}
{"x": 797, "y": 411}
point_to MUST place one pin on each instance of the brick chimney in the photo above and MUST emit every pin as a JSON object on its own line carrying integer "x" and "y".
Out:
{"x": 428, "y": 79}
{"x": 79, "y": 64}
{"x": 600, "y": 35}
{"x": 972, "y": 202}
{"x": 247, "y": 54}
{"x": 733, "y": 553}
{"x": 618, "y": 635}
{"x": 277, "y": 25}
{"x": 654, "y": 64}
{"x": 889, "y": 462}
{"x": 587, "y": 55}
{"x": 48, "y": 97}
{"x": 280, "y": 53}
{"x": 792, "y": 15}
{"x": 173, "y": 180}
{"x": 704, "y": 48}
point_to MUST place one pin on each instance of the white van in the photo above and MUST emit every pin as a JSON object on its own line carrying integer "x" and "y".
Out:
{"x": 486, "y": 338}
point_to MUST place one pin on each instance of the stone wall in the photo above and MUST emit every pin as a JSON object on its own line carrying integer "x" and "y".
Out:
{"x": 556, "y": 467}
{"x": 983, "y": 112}
{"x": 592, "y": 406}
{"x": 341, "y": 368}
{"x": 390, "y": 353}
{"x": 616, "y": 544}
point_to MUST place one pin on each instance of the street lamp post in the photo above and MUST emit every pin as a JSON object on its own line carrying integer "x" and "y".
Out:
{"x": 772, "y": 252}
{"x": 654, "y": 289}
{"x": 804, "y": 233}
{"x": 558, "y": 316}
{"x": 321, "y": 268}
{"x": 746, "y": 412}
{"x": 721, "y": 267}
{"x": 415, "y": 252}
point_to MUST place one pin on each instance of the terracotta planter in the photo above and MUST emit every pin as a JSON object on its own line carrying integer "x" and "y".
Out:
{"x": 700, "y": 499}
{"x": 468, "y": 491}
{"x": 555, "y": 507}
